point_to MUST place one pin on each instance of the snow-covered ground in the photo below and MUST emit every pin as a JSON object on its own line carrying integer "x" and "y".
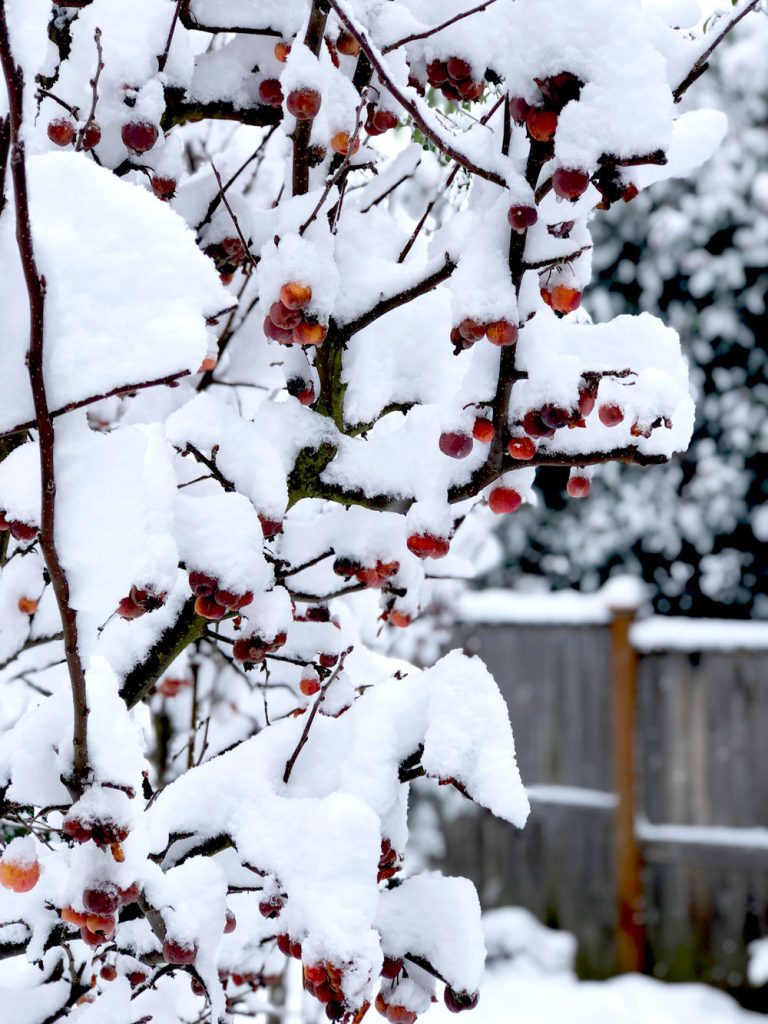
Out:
{"x": 509, "y": 997}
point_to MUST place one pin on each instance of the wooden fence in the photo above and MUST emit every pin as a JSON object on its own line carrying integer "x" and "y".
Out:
{"x": 644, "y": 748}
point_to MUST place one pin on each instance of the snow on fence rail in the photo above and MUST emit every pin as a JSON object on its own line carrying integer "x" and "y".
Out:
{"x": 641, "y": 741}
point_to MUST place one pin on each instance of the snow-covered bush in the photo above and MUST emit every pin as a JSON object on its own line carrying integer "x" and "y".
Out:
{"x": 693, "y": 251}
{"x": 249, "y": 389}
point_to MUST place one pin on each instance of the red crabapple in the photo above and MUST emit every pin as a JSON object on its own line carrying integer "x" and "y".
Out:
{"x": 139, "y": 136}
{"x": 503, "y": 500}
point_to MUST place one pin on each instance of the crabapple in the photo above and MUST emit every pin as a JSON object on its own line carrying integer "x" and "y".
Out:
{"x": 391, "y": 967}
{"x": 295, "y": 295}
{"x": 74, "y": 917}
{"x": 202, "y": 585}
{"x": 271, "y": 92}
{"x": 19, "y": 875}
{"x": 522, "y": 217}
{"x": 163, "y": 188}
{"x": 102, "y": 900}
{"x": 101, "y": 924}
{"x": 437, "y": 72}
{"x": 459, "y": 1001}
{"x": 91, "y": 135}
{"x": 425, "y": 545}
{"x": 518, "y": 109}
{"x": 610, "y": 414}
{"x": 61, "y": 131}
{"x": 554, "y": 416}
{"x": 562, "y": 298}
{"x": 179, "y": 953}
{"x": 501, "y": 333}
{"x": 455, "y": 444}
{"x": 483, "y": 430}
{"x": 570, "y": 183}
{"x": 108, "y": 972}
{"x": 341, "y": 143}
{"x": 275, "y": 333}
{"x": 27, "y": 605}
{"x": 471, "y": 330}
{"x": 304, "y": 104}
{"x": 209, "y": 608}
{"x": 578, "y": 486}
{"x": 270, "y": 527}
{"x": 309, "y": 686}
{"x": 284, "y": 318}
{"x": 503, "y": 500}
{"x": 301, "y": 389}
{"x": 282, "y": 49}
{"x": 347, "y": 44}
{"x": 534, "y": 425}
{"x": 230, "y": 922}
{"x": 383, "y": 120}
{"x": 139, "y": 136}
{"x": 541, "y": 124}
{"x": 310, "y": 333}
{"x": 521, "y": 448}
{"x": 400, "y": 619}
{"x": 91, "y": 938}
{"x": 586, "y": 402}
{"x": 458, "y": 68}
{"x": 23, "y": 531}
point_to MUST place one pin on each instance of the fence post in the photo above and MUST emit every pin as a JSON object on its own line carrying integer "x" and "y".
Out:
{"x": 630, "y": 926}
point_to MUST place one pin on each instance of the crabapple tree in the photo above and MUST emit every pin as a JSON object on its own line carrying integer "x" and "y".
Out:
{"x": 288, "y": 288}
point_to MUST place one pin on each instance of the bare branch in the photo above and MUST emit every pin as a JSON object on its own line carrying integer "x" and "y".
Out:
{"x": 311, "y": 717}
{"x": 438, "y": 28}
{"x": 702, "y": 63}
{"x": 170, "y": 381}
{"x": 95, "y": 88}
{"x": 35, "y": 285}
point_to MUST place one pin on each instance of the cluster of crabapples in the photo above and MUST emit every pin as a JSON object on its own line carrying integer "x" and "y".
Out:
{"x": 453, "y": 77}
{"x": 289, "y": 320}
{"x": 19, "y": 530}
{"x": 139, "y": 136}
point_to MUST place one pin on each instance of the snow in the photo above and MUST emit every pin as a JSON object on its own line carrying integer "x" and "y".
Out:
{"x": 631, "y": 999}
{"x": 90, "y": 232}
{"x": 571, "y": 796}
{"x": 680, "y": 634}
{"x": 703, "y": 835}
{"x": 228, "y": 775}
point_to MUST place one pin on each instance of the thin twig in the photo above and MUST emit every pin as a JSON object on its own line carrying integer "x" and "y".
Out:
{"x": 35, "y": 285}
{"x": 449, "y": 181}
{"x": 162, "y": 60}
{"x": 702, "y": 63}
{"x": 95, "y": 87}
{"x": 310, "y": 719}
{"x": 343, "y": 167}
{"x": 231, "y": 213}
{"x": 124, "y": 389}
{"x": 438, "y": 28}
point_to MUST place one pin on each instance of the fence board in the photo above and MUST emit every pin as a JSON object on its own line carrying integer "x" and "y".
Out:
{"x": 702, "y": 750}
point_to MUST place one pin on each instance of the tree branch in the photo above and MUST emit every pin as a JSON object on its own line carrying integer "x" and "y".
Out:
{"x": 313, "y": 40}
{"x": 438, "y": 28}
{"x": 702, "y": 63}
{"x": 311, "y": 717}
{"x": 170, "y": 381}
{"x": 386, "y": 305}
{"x": 35, "y": 284}
{"x": 411, "y": 105}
